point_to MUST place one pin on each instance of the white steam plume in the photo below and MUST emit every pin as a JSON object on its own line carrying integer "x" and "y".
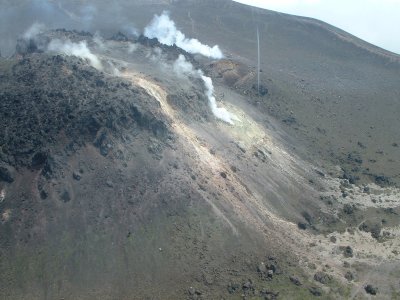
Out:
{"x": 130, "y": 30}
{"x": 182, "y": 66}
{"x": 164, "y": 29}
{"x": 98, "y": 40}
{"x": 219, "y": 112}
{"x": 33, "y": 31}
{"x": 75, "y": 49}
{"x": 131, "y": 48}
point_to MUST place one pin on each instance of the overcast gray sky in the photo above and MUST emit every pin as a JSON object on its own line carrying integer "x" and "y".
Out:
{"x": 375, "y": 21}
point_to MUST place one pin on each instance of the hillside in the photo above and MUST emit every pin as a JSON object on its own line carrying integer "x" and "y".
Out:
{"x": 132, "y": 167}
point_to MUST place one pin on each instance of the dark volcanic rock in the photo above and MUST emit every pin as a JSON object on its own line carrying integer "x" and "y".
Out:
{"x": 77, "y": 176}
{"x": 109, "y": 184}
{"x": 43, "y": 194}
{"x": 194, "y": 294}
{"x": 65, "y": 196}
{"x": 316, "y": 291}
{"x": 295, "y": 280}
{"x": 262, "y": 268}
{"x": 307, "y": 217}
{"x": 5, "y": 175}
{"x": 347, "y": 251}
{"x": 348, "y": 209}
{"x": 370, "y": 289}
{"x": 373, "y": 228}
{"x": 119, "y": 37}
{"x": 172, "y": 51}
{"x": 46, "y": 97}
{"x": 322, "y": 277}
{"x": 39, "y": 160}
{"x": 192, "y": 291}
{"x": 274, "y": 266}
{"x": 289, "y": 121}
{"x": 248, "y": 287}
{"x": 354, "y": 158}
{"x": 267, "y": 294}
{"x": 50, "y": 168}
{"x": 382, "y": 181}
{"x": 267, "y": 271}
{"x": 148, "y": 42}
{"x": 302, "y": 225}
{"x": 349, "y": 276}
{"x": 233, "y": 287}
{"x": 261, "y": 91}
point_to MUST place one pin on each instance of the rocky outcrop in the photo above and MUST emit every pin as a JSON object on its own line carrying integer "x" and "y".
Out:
{"x": 45, "y": 97}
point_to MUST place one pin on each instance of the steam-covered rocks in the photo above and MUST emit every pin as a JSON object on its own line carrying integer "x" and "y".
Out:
{"x": 219, "y": 112}
{"x": 95, "y": 51}
{"x": 34, "y": 31}
{"x": 182, "y": 67}
{"x": 32, "y": 40}
{"x": 164, "y": 29}
{"x": 75, "y": 49}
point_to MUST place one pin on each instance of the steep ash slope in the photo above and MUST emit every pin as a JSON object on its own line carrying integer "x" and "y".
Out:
{"x": 313, "y": 69}
{"x": 121, "y": 183}
{"x": 113, "y": 191}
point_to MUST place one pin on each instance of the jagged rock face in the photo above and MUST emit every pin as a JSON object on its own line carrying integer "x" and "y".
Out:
{"x": 45, "y": 97}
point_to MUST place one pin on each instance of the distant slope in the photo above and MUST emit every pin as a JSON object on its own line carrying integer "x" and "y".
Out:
{"x": 343, "y": 92}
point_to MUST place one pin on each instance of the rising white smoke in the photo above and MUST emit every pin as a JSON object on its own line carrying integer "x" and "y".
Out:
{"x": 164, "y": 29}
{"x": 130, "y": 31}
{"x": 99, "y": 41}
{"x": 34, "y": 31}
{"x": 219, "y": 112}
{"x": 131, "y": 48}
{"x": 75, "y": 49}
{"x": 182, "y": 67}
